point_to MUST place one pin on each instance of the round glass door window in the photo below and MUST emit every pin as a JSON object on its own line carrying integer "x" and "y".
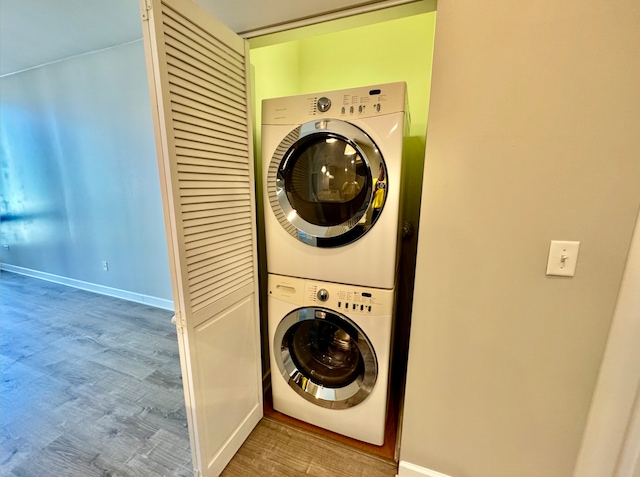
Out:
{"x": 325, "y": 358}
{"x": 327, "y": 183}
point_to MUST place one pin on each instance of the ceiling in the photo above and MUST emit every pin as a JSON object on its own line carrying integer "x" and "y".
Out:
{"x": 37, "y": 32}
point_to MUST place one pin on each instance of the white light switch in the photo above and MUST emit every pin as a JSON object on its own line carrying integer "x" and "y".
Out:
{"x": 563, "y": 257}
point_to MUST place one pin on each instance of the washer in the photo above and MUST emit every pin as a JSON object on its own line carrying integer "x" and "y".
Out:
{"x": 332, "y": 176}
{"x": 330, "y": 354}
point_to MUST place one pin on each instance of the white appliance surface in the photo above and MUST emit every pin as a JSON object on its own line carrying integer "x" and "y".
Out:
{"x": 372, "y": 259}
{"x": 365, "y": 421}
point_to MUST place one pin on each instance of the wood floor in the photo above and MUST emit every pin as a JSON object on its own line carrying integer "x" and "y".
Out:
{"x": 91, "y": 386}
{"x": 278, "y": 449}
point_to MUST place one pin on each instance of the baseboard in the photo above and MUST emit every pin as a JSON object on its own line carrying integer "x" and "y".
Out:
{"x": 407, "y": 469}
{"x": 92, "y": 287}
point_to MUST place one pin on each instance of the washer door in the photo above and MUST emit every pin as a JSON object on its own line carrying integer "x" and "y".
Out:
{"x": 327, "y": 183}
{"x": 325, "y": 357}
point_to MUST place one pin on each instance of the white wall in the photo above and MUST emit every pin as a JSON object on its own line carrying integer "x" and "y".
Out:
{"x": 79, "y": 176}
{"x": 533, "y": 136}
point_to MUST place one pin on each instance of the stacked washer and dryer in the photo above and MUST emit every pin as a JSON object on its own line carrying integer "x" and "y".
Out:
{"x": 332, "y": 167}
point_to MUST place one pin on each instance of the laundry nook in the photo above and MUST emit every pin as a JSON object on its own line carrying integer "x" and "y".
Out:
{"x": 388, "y": 238}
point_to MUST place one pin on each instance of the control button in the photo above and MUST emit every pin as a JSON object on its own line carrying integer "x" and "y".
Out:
{"x": 361, "y": 108}
{"x": 361, "y": 307}
{"x": 351, "y": 110}
{"x": 346, "y": 305}
{"x": 377, "y": 107}
{"x": 323, "y": 295}
{"x": 369, "y": 307}
{"x": 342, "y": 111}
{"x": 354, "y": 306}
{"x": 324, "y": 104}
{"x": 339, "y": 304}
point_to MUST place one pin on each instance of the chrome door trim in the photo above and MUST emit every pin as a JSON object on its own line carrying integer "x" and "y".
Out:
{"x": 333, "y": 398}
{"x": 296, "y": 226}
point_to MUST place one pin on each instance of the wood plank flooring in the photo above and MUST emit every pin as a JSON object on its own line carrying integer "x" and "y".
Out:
{"x": 278, "y": 449}
{"x": 91, "y": 386}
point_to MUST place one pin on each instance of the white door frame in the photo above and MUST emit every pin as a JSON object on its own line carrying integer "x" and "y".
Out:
{"x": 611, "y": 441}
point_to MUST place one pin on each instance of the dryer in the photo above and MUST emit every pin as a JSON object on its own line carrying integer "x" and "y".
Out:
{"x": 332, "y": 178}
{"x": 330, "y": 354}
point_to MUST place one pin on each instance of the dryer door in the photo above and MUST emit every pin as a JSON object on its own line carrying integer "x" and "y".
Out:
{"x": 327, "y": 183}
{"x": 325, "y": 357}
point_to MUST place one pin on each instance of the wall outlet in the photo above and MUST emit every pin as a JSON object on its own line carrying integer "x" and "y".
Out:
{"x": 105, "y": 266}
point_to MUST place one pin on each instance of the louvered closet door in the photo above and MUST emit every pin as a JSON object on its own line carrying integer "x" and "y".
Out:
{"x": 199, "y": 87}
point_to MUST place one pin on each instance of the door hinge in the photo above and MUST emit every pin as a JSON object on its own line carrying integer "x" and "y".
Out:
{"x": 179, "y": 321}
{"x": 146, "y": 6}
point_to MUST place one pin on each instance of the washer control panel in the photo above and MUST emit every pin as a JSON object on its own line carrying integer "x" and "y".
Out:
{"x": 347, "y": 299}
{"x": 352, "y": 103}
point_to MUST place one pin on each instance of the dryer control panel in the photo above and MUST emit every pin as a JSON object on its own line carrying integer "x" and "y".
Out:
{"x": 354, "y": 103}
{"x": 348, "y": 299}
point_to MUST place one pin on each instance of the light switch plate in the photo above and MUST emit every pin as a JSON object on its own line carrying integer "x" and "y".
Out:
{"x": 563, "y": 257}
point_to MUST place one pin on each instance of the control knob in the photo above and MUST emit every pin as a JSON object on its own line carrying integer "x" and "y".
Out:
{"x": 324, "y": 104}
{"x": 323, "y": 295}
